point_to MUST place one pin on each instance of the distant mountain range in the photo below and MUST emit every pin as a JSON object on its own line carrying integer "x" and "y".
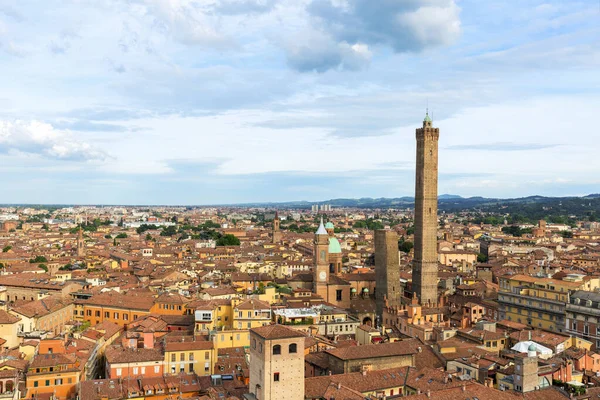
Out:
{"x": 533, "y": 206}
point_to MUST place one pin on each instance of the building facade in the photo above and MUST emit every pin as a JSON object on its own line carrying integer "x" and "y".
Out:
{"x": 276, "y": 363}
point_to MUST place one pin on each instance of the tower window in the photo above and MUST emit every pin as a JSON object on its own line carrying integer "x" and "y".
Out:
{"x": 276, "y": 377}
{"x": 277, "y": 349}
{"x": 430, "y": 152}
{"x": 429, "y": 210}
{"x": 293, "y": 348}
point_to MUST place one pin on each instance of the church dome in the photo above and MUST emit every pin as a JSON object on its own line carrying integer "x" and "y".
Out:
{"x": 334, "y": 246}
{"x": 329, "y": 225}
{"x": 532, "y": 347}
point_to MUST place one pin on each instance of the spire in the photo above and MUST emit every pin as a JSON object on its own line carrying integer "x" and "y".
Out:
{"x": 321, "y": 230}
{"x": 427, "y": 118}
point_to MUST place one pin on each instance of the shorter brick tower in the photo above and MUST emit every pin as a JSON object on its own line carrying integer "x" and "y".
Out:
{"x": 387, "y": 270}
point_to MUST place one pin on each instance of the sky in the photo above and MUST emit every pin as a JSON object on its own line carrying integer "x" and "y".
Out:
{"x": 189, "y": 102}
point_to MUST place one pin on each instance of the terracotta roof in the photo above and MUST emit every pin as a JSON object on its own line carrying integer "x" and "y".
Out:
{"x": 271, "y": 332}
{"x": 401, "y": 348}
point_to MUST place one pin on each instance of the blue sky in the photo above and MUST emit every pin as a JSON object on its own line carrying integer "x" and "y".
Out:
{"x": 227, "y": 101}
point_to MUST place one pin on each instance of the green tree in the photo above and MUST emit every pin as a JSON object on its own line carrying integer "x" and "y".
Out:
{"x": 122, "y": 235}
{"x": 43, "y": 266}
{"x": 6, "y": 249}
{"x": 228, "y": 240}
{"x": 38, "y": 259}
{"x": 406, "y": 246}
{"x": 482, "y": 258}
{"x": 169, "y": 231}
{"x": 148, "y": 237}
{"x": 566, "y": 234}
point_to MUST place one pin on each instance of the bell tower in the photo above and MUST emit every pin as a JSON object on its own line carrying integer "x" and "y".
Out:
{"x": 321, "y": 261}
{"x": 276, "y": 233}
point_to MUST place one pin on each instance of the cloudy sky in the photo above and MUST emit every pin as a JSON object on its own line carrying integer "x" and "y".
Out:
{"x": 225, "y": 101}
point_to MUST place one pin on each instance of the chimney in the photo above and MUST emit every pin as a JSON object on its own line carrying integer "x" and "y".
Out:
{"x": 428, "y": 393}
{"x": 445, "y": 378}
{"x": 464, "y": 388}
{"x": 339, "y": 386}
{"x": 529, "y": 335}
{"x": 364, "y": 372}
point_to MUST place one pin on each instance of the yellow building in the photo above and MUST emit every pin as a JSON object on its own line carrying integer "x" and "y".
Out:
{"x": 213, "y": 314}
{"x": 539, "y": 302}
{"x": 225, "y": 339}
{"x": 251, "y": 314}
{"x": 188, "y": 355}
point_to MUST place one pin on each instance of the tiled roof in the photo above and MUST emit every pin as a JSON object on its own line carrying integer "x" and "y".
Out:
{"x": 271, "y": 332}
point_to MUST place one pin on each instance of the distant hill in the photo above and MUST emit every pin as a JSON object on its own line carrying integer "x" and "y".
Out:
{"x": 525, "y": 209}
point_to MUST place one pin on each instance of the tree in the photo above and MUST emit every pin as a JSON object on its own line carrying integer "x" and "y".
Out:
{"x": 482, "y": 258}
{"x": 148, "y": 237}
{"x": 122, "y": 235}
{"x": 38, "y": 259}
{"x": 6, "y": 249}
{"x": 45, "y": 227}
{"x": 107, "y": 237}
{"x": 406, "y": 246}
{"x": 228, "y": 240}
{"x": 566, "y": 234}
{"x": 43, "y": 266}
{"x": 169, "y": 231}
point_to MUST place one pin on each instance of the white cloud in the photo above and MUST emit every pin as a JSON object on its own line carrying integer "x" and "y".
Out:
{"x": 38, "y": 138}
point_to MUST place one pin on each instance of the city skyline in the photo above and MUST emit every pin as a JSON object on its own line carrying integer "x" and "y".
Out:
{"x": 219, "y": 103}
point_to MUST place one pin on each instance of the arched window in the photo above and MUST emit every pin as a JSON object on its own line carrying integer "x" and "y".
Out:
{"x": 254, "y": 343}
{"x": 260, "y": 347}
{"x": 293, "y": 348}
{"x": 276, "y": 349}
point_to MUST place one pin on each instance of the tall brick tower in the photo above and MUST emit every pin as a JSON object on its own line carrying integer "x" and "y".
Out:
{"x": 80, "y": 243}
{"x": 387, "y": 270}
{"x": 276, "y": 233}
{"x": 425, "y": 262}
{"x": 321, "y": 261}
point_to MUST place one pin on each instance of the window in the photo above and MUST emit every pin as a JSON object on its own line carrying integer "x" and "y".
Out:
{"x": 260, "y": 347}
{"x": 206, "y": 367}
{"x": 338, "y": 295}
{"x": 97, "y": 313}
{"x": 47, "y": 382}
{"x": 173, "y": 357}
{"x": 116, "y": 315}
{"x": 135, "y": 370}
{"x": 125, "y": 317}
{"x": 106, "y": 314}
{"x": 119, "y": 371}
{"x": 156, "y": 369}
{"x": 182, "y": 357}
{"x": 191, "y": 368}
{"x": 35, "y": 384}
{"x": 293, "y": 348}
{"x": 276, "y": 349}
{"x": 191, "y": 357}
{"x": 89, "y": 313}
{"x": 206, "y": 355}
{"x": 276, "y": 377}
{"x": 58, "y": 381}
{"x": 143, "y": 370}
